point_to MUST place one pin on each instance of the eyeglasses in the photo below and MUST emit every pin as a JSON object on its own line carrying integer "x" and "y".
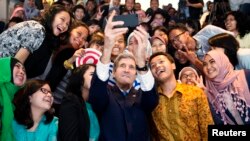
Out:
{"x": 185, "y": 76}
{"x": 45, "y": 91}
{"x": 177, "y": 37}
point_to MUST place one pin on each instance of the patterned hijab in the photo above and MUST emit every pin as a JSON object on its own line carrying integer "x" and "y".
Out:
{"x": 228, "y": 81}
{"x": 7, "y": 91}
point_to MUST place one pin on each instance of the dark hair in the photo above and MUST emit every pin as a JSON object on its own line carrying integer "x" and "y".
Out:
{"x": 49, "y": 16}
{"x": 75, "y": 24}
{"x": 164, "y": 15}
{"x": 99, "y": 41}
{"x": 76, "y": 80}
{"x": 93, "y": 22}
{"x": 194, "y": 24}
{"x": 22, "y": 112}
{"x": 168, "y": 56}
{"x": 79, "y": 6}
{"x": 178, "y": 26}
{"x": 15, "y": 20}
{"x": 242, "y": 23}
{"x": 161, "y": 28}
{"x": 229, "y": 43}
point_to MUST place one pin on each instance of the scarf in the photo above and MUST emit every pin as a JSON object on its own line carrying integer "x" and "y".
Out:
{"x": 228, "y": 82}
{"x": 7, "y": 91}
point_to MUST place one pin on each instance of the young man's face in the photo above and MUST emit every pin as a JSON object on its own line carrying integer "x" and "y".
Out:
{"x": 162, "y": 68}
{"x": 178, "y": 38}
{"x": 154, "y": 5}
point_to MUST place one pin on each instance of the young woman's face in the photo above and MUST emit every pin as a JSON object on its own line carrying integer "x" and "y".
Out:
{"x": 19, "y": 74}
{"x": 162, "y": 34}
{"x": 210, "y": 68}
{"x": 79, "y": 14}
{"x": 119, "y": 45}
{"x": 93, "y": 28}
{"x": 231, "y": 23}
{"x": 78, "y": 37}
{"x": 87, "y": 79}
{"x": 42, "y": 99}
{"x": 31, "y": 3}
{"x": 160, "y": 18}
{"x": 61, "y": 23}
{"x": 158, "y": 46}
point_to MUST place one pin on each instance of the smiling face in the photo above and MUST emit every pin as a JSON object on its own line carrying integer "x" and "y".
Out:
{"x": 162, "y": 34}
{"x": 79, "y": 14}
{"x": 210, "y": 68}
{"x": 188, "y": 77}
{"x": 119, "y": 45}
{"x": 178, "y": 38}
{"x": 93, "y": 28}
{"x": 42, "y": 99}
{"x": 154, "y": 5}
{"x": 162, "y": 68}
{"x": 78, "y": 37}
{"x": 129, "y": 4}
{"x": 158, "y": 46}
{"x": 60, "y": 23}
{"x": 125, "y": 73}
{"x": 19, "y": 74}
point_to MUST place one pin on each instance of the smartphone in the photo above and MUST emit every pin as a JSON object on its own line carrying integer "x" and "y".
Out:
{"x": 130, "y": 20}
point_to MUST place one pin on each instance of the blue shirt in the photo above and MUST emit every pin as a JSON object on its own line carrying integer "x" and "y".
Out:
{"x": 94, "y": 125}
{"x": 43, "y": 132}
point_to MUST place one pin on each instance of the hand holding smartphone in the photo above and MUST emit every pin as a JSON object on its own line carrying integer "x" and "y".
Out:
{"x": 130, "y": 20}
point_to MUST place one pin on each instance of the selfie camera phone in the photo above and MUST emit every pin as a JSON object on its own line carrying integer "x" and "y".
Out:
{"x": 130, "y": 20}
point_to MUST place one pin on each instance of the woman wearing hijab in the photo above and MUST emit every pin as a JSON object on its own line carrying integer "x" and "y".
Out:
{"x": 30, "y": 9}
{"x": 12, "y": 77}
{"x": 227, "y": 89}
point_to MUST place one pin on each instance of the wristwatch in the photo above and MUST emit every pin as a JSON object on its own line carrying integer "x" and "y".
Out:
{"x": 145, "y": 68}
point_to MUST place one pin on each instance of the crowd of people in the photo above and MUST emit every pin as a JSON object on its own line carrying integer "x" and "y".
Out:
{"x": 70, "y": 72}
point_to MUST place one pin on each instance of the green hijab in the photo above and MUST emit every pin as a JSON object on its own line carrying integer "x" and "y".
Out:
{"x": 7, "y": 91}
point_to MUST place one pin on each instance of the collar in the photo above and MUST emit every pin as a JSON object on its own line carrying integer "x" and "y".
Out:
{"x": 178, "y": 89}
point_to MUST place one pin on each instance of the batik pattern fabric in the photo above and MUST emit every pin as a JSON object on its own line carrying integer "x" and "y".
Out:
{"x": 184, "y": 116}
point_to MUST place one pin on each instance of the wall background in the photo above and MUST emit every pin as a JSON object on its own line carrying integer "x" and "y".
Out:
{"x": 146, "y": 3}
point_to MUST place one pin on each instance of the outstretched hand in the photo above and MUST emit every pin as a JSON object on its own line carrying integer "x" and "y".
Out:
{"x": 110, "y": 33}
{"x": 199, "y": 82}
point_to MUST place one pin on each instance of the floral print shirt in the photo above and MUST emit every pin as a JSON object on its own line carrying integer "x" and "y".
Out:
{"x": 28, "y": 34}
{"x": 183, "y": 117}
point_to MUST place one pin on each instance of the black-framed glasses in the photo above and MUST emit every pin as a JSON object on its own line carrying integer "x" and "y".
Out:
{"x": 185, "y": 76}
{"x": 45, "y": 91}
{"x": 177, "y": 37}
